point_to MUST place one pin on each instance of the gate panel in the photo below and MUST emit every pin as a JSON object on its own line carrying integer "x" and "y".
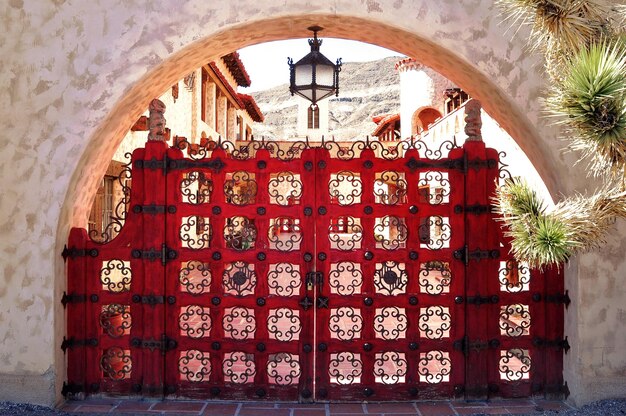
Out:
{"x": 240, "y": 315}
{"x": 386, "y": 237}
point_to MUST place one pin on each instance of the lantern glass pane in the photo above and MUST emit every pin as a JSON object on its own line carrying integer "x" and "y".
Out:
{"x": 325, "y": 75}
{"x": 304, "y": 75}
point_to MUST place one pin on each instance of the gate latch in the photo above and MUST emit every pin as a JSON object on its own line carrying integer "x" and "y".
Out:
{"x": 314, "y": 278}
{"x": 465, "y": 345}
{"x": 165, "y": 254}
{"x": 165, "y": 344}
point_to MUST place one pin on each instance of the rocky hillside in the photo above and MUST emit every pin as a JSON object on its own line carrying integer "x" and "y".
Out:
{"x": 365, "y": 89}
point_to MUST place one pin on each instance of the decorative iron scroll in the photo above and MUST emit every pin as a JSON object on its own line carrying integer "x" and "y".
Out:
{"x": 285, "y": 234}
{"x": 390, "y": 188}
{"x": 345, "y": 368}
{"x": 195, "y": 277}
{"x": 116, "y": 363}
{"x": 239, "y": 279}
{"x": 345, "y": 278}
{"x": 434, "y": 367}
{"x": 345, "y": 323}
{"x": 293, "y": 150}
{"x": 514, "y": 277}
{"x": 390, "y": 278}
{"x": 514, "y": 364}
{"x": 239, "y": 367}
{"x": 390, "y": 367}
{"x": 116, "y": 320}
{"x": 195, "y": 232}
{"x": 241, "y": 188}
{"x": 116, "y": 276}
{"x": 435, "y": 232}
{"x": 514, "y": 320}
{"x": 240, "y": 233}
{"x": 390, "y": 323}
{"x": 345, "y": 233}
{"x": 194, "y": 321}
{"x": 239, "y": 323}
{"x": 194, "y": 366}
{"x": 283, "y": 369}
{"x": 284, "y": 279}
{"x": 196, "y": 188}
{"x": 435, "y": 322}
{"x": 283, "y": 324}
{"x": 345, "y": 188}
{"x": 285, "y": 188}
{"x": 435, "y": 186}
{"x": 391, "y": 233}
{"x": 435, "y": 277}
{"x": 119, "y": 214}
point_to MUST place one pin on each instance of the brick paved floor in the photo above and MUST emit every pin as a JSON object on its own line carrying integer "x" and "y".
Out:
{"x": 209, "y": 408}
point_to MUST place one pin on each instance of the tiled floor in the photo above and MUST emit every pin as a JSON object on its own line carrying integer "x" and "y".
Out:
{"x": 147, "y": 407}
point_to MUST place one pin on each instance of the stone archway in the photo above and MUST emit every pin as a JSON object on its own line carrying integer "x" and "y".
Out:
{"x": 90, "y": 69}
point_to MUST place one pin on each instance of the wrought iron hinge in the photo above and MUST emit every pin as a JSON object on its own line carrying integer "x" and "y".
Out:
{"x": 166, "y": 254}
{"x": 72, "y": 388}
{"x": 164, "y": 345}
{"x": 154, "y": 209}
{"x": 465, "y": 345}
{"x": 559, "y": 298}
{"x": 73, "y": 252}
{"x": 153, "y": 164}
{"x": 216, "y": 165}
{"x": 73, "y": 343}
{"x": 153, "y": 299}
{"x": 72, "y": 298}
{"x": 475, "y": 209}
{"x": 555, "y": 343}
{"x": 482, "y": 300}
{"x": 465, "y": 255}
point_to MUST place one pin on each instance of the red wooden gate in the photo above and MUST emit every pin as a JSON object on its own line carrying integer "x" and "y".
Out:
{"x": 310, "y": 273}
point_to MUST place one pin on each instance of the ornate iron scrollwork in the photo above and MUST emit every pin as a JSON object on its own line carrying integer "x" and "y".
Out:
{"x": 195, "y": 321}
{"x": 285, "y": 234}
{"x": 116, "y": 363}
{"x": 195, "y": 277}
{"x": 345, "y": 323}
{"x": 239, "y": 279}
{"x": 241, "y": 188}
{"x": 345, "y": 368}
{"x": 345, "y": 233}
{"x": 514, "y": 364}
{"x": 434, "y": 367}
{"x": 390, "y": 367}
{"x": 390, "y": 188}
{"x": 239, "y": 323}
{"x": 435, "y": 187}
{"x": 391, "y": 233}
{"x": 116, "y": 276}
{"x": 435, "y": 277}
{"x": 345, "y": 188}
{"x": 285, "y": 188}
{"x": 240, "y": 233}
{"x": 345, "y": 278}
{"x": 195, "y": 232}
{"x": 196, "y": 188}
{"x": 435, "y": 322}
{"x": 194, "y": 365}
{"x": 284, "y": 279}
{"x": 283, "y": 324}
{"x": 514, "y": 320}
{"x": 435, "y": 232}
{"x": 390, "y": 278}
{"x": 239, "y": 367}
{"x": 390, "y": 323}
{"x": 283, "y": 369}
{"x": 115, "y": 320}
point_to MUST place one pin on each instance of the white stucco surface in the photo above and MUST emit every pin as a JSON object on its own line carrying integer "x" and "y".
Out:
{"x": 76, "y": 75}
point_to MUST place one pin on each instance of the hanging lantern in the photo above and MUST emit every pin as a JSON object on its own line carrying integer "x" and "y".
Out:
{"x": 314, "y": 77}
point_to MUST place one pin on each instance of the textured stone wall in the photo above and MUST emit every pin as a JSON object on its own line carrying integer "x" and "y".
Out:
{"x": 74, "y": 76}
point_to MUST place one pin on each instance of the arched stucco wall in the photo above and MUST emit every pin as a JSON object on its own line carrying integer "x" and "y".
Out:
{"x": 76, "y": 75}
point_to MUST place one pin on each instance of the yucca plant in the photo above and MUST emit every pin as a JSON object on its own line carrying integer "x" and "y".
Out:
{"x": 584, "y": 43}
{"x": 591, "y": 101}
